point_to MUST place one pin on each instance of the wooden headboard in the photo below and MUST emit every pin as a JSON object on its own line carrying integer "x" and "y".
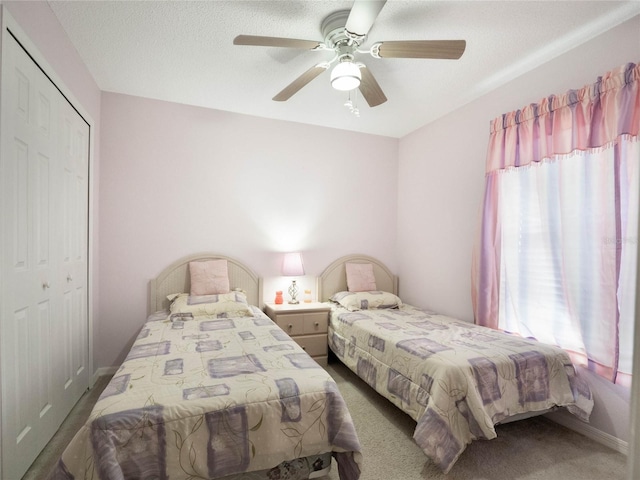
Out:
{"x": 334, "y": 277}
{"x": 176, "y": 279}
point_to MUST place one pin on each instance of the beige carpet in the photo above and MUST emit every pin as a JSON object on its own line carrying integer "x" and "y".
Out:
{"x": 534, "y": 449}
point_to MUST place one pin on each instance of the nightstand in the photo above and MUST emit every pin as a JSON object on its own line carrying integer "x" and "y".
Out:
{"x": 306, "y": 323}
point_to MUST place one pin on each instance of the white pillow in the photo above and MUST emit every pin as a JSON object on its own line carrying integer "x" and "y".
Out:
{"x": 232, "y": 304}
{"x": 367, "y": 300}
{"x": 360, "y": 277}
{"x": 210, "y": 277}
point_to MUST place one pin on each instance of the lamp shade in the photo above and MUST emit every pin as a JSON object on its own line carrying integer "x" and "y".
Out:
{"x": 292, "y": 265}
{"x": 345, "y": 76}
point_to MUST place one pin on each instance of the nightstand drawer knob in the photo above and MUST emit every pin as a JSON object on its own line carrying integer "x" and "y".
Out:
{"x": 304, "y": 348}
{"x": 290, "y": 326}
{"x": 317, "y": 324}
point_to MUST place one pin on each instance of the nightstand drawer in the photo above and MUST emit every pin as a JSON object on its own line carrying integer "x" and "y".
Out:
{"x": 314, "y": 345}
{"x": 292, "y": 323}
{"x": 316, "y": 323}
{"x": 306, "y": 324}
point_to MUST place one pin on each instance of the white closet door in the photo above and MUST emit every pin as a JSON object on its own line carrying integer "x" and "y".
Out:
{"x": 43, "y": 323}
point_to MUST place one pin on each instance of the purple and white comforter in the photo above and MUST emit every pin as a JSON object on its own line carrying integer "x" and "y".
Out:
{"x": 211, "y": 397}
{"x": 456, "y": 379}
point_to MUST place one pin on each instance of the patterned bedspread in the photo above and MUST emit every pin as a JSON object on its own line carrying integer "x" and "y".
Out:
{"x": 212, "y": 397}
{"x": 456, "y": 379}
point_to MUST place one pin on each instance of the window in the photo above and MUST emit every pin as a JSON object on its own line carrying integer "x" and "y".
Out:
{"x": 568, "y": 254}
{"x": 556, "y": 257}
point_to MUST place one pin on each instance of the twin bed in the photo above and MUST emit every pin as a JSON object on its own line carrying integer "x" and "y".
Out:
{"x": 213, "y": 389}
{"x": 455, "y": 379}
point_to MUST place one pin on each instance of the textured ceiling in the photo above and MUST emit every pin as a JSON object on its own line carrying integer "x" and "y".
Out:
{"x": 182, "y": 51}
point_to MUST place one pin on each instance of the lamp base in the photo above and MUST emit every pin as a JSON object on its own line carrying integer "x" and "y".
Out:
{"x": 293, "y": 291}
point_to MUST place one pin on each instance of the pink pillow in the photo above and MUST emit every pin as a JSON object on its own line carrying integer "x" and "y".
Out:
{"x": 209, "y": 278}
{"x": 360, "y": 277}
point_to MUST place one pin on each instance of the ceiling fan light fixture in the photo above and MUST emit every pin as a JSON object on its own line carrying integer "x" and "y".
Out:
{"x": 345, "y": 76}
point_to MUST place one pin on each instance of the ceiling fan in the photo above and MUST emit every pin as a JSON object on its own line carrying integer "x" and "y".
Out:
{"x": 344, "y": 31}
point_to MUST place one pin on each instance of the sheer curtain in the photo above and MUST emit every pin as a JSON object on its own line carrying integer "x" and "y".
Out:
{"x": 556, "y": 256}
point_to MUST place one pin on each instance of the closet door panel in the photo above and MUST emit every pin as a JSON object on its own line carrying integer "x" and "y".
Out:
{"x": 22, "y": 386}
{"x": 80, "y": 334}
{"x": 42, "y": 213}
{"x": 65, "y": 327}
{"x": 16, "y": 212}
{"x": 44, "y": 392}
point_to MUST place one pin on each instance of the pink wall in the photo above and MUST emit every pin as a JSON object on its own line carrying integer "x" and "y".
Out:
{"x": 177, "y": 180}
{"x": 441, "y": 184}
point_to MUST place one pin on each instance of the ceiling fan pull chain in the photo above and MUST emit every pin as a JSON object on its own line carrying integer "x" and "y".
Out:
{"x": 355, "y": 110}
{"x": 352, "y": 104}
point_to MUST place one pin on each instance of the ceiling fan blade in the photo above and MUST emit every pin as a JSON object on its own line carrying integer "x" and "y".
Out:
{"x": 441, "y": 49}
{"x": 259, "y": 41}
{"x": 370, "y": 89}
{"x": 300, "y": 82}
{"x": 362, "y": 15}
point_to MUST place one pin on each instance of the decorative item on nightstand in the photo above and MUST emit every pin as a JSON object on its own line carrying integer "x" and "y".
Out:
{"x": 292, "y": 267}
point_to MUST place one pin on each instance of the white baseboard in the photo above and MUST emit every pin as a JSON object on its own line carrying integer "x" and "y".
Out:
{"x": 101, "y": 372}
{"x": 589, "y": 431}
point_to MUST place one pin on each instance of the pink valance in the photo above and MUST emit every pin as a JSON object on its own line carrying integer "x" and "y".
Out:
{"x": 578, "y": 120}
